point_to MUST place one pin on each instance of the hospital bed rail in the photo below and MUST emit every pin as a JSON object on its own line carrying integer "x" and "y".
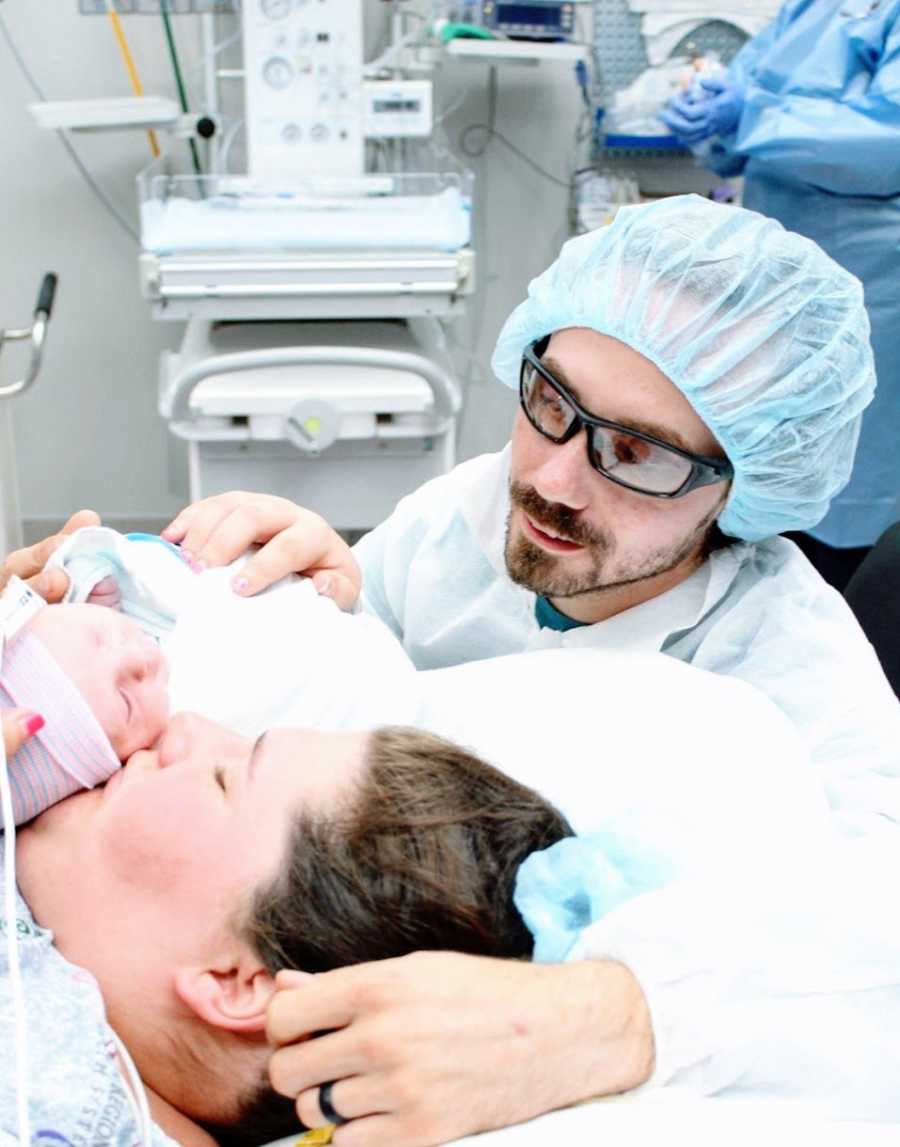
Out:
{"x": 36, "y": 333}
{"x": 175, "y": 400}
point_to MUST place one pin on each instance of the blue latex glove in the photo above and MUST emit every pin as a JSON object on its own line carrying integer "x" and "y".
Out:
{"x": 717, "y": 113}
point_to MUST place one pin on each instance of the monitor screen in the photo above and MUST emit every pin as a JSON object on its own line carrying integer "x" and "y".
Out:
{"x": 527, "y": 14}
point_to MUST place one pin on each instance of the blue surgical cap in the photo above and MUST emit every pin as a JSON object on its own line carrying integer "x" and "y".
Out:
{"x": 765, "y": 336}
{"x": 565, "y": 888}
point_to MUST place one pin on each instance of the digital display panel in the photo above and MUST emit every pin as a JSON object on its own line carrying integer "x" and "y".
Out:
{"x": 525, "y": 14}
{"x": 397, "y": 105}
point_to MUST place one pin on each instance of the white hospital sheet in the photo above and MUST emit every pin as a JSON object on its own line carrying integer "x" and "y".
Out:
{"x": 675, "y": 1118}
{"x": 441, "y": 222}
{"x": 702, "y": 766}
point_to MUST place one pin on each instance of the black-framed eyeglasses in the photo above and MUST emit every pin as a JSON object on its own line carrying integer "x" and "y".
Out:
{"x": 628, "y": 457}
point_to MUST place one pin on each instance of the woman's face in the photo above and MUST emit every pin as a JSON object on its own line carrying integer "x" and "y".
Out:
{"x": 153, "y": 866}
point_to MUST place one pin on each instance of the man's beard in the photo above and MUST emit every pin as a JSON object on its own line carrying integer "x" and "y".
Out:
{"x": 545, "y": 573}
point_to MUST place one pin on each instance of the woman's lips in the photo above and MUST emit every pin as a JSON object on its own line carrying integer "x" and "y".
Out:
{"x": 546, "y": 541}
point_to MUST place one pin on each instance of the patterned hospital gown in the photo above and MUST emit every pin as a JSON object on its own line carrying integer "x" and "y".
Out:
{"x": 77, "y": 1097}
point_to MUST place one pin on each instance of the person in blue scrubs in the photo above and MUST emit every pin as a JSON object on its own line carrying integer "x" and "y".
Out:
{"x": 809, "y": 112}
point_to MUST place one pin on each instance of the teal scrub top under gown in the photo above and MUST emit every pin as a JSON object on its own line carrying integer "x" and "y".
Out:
{"x": 818, "y": 143}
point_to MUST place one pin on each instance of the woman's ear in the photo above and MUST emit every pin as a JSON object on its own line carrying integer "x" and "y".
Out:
{"x": 232, "y": 995}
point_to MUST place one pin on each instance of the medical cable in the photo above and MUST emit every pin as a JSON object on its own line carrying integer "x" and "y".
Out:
{"x": 73, "y": 155}
{"x": 130, "y": 67}
{"x": 137, "y": 1094}
{"x": 12, "y": 939}
{"x": 491, "y": 133}
{"x": 179, "y": 82}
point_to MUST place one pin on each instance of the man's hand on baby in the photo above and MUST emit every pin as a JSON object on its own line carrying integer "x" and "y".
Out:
{"x": 217, "y": 530}
{"x": 438, "y": 1045}
{"x": 28, "y": 563}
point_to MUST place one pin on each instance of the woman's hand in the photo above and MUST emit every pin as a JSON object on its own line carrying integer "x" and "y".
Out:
{"x": 437, "y": 1045}
{"x": 28, "y": 563}
{"x": 18, "y": 726}
{"x": 217, "y": 530}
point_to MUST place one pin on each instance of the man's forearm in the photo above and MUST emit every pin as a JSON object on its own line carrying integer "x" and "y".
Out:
{"x": 600, "y": 1040}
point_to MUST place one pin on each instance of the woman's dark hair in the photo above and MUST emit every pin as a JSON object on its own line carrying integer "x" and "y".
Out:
{"x": 423, "y": 855}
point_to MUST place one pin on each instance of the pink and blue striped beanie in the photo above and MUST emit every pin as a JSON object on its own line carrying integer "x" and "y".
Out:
{"x": 71, "y": 752}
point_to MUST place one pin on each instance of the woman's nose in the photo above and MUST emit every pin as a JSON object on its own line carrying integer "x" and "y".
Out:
{"x": 190, "y": 737}
{"x": 175, "y": 744}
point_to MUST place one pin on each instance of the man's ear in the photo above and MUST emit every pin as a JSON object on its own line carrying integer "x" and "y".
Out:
{"x": 232, "y": 995}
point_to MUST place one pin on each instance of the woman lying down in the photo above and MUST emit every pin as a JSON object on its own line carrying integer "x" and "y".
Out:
{"x": 211, "y": 862}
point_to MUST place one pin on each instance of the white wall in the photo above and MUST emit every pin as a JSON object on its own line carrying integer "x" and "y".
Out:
{"x": 88, "y": 433}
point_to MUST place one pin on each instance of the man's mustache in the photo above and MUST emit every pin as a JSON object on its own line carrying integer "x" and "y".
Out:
{"x": 561, "y": 520}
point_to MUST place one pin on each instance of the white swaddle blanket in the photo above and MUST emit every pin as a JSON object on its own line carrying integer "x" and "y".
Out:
{"x": 283, "y": 657}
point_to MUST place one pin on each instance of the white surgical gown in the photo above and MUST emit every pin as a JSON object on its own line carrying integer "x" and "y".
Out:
{"x": 435, "y": 573}
{"x": 787, "y": 988}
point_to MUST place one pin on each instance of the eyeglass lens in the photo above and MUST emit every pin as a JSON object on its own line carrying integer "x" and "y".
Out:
{"x": 625, "y": 457}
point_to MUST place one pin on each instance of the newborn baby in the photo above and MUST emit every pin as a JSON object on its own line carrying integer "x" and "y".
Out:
{"x": 106, "y": 679}
{"x": 119, "y": 670}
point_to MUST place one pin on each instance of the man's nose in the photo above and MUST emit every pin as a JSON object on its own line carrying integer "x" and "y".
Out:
{"x": 562, "y": 474}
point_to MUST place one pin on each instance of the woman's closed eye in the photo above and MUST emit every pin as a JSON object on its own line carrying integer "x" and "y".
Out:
{"x": 219, "y": 777}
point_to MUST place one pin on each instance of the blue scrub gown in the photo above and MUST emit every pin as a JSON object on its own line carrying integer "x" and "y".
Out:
{"x": 818, "y": 143}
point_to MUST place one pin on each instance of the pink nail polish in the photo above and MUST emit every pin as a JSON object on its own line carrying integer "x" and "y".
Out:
{"x": 33, "y": 724}
{"x": 240, "y": 585}
{"x": 187, "y": 555}
{"x": 198, "y": 566}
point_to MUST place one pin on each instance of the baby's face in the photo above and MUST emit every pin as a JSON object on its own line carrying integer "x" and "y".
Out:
{"x": 116, "y": 667}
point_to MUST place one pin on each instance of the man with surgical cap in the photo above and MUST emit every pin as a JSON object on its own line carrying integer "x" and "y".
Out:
{"x": 691, "y": 383}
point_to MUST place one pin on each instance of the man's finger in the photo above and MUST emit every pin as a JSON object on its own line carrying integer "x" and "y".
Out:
{"x": 323, "y": 1005}
{"x": 30, "y": 560}
{"x": 373, "y": 1131}
{"x": 233, "y": 534}
{"x": 312, "y": 1062}
{"x": 27, "y": 562}
{"x": 351, "y": 1096}
{"x": 204, "y": 526}
{"x": 178, "y": 527}
{"x": 290, "y": 978}
{"x": 79, "y": 520}
{"x": 202, "y": 517}
{"x": 50, "y": 584}
{"x": 298, "y": 549}
{"x": 337, "y": 586}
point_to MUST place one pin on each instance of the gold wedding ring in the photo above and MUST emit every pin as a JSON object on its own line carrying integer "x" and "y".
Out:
{"x": 318, "y": 1137}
